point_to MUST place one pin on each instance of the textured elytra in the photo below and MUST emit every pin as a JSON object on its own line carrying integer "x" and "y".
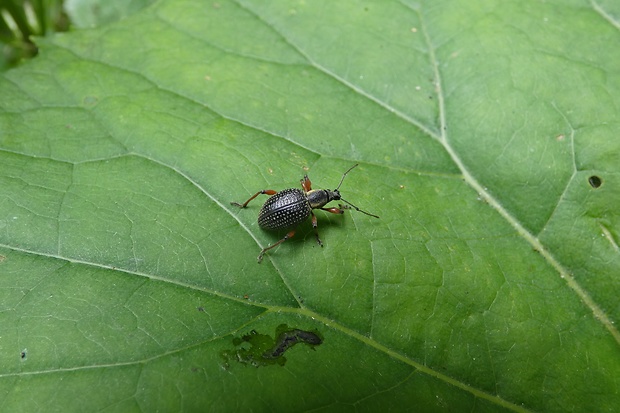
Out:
{"x": 286, "y": 209}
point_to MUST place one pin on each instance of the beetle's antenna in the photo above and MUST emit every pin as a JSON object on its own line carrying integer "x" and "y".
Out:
{"x": 345, "y": 174}
{"x": 356, "y": 208}
{"x": 342, "y": 199}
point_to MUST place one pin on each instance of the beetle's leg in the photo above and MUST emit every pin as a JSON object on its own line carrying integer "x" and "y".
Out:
{"x": 287, "y": 236}
{"x": 334, "y": 210}
{"x": 306, "y": 184}
{"x": 316, "y": 231}
{"x": 264, "y": 191}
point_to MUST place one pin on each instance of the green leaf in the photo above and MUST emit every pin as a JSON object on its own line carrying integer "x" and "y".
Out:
{"x": 486, "y": 135}
{"x": 92, "y": 13}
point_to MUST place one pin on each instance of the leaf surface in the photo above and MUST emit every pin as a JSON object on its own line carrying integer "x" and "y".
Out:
{"x": 486, "y": 138}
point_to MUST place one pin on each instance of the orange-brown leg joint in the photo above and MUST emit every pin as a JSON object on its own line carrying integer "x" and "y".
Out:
{"x": 333, "y": 210}
{"x": 306, "y": 184}
{"x": 263, "y": 192}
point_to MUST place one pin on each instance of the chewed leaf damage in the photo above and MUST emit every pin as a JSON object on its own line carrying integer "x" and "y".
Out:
{"x": 264, "y": 350}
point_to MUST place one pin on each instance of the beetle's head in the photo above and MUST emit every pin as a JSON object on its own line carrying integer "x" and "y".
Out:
{"x": 334, "y": 195}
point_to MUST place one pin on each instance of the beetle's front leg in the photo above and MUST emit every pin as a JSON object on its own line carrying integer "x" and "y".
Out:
{"x": 316, "y": 230}
{"x": 306, "y": 184}
{"x": 263, "y": 192}
{"x": 335, "y": 210}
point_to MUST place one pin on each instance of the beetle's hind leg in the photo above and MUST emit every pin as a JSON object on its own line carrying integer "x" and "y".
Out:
{"x": 287, "y": 236}
{"x": 263, "y": 192}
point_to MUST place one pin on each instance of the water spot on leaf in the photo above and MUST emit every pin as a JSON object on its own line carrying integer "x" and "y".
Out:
{"x": 90, "y": 101}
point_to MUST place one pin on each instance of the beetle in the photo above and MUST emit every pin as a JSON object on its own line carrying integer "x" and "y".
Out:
{"x": 290, "y": 207}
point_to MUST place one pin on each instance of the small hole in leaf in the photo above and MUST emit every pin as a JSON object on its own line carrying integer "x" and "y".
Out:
{"x": 595, "y": 181}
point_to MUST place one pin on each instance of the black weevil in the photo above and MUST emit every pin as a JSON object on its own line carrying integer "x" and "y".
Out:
{"x": 290, "y": 207}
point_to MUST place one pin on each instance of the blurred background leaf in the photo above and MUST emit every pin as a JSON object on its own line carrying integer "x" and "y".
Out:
{"x": 22, "y": 20}
{"x": 93, "y": 13}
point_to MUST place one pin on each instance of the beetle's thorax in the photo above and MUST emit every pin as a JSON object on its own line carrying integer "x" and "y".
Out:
{"x": 318, "y": 198}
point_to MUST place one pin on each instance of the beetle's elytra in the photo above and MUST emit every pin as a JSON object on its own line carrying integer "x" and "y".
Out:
{"x": 290, "y": 207}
